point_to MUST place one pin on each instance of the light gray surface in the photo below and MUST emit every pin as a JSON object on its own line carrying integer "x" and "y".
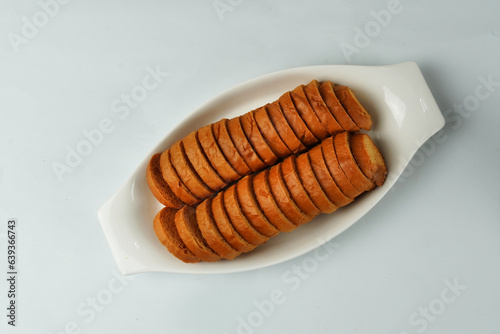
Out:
{"x": 389, "y": 273}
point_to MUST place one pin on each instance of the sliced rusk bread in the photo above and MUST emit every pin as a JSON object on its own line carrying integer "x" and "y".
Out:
{"x": 257, "y": 141}
{"x": 189, "y": 232}
{"x": 368, "y": 158}
{"x": 251, "y": 208}
{"x": 166, "y": 231}
{"x": 200, "y": 162}
{"x": 211, "y": 233}
{"x": 270, "y": 133}
{"x": 158, "y": 186}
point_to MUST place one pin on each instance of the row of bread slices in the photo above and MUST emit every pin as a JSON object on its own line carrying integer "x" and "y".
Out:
{"x": 216, "y": 155}
{"x": 277, "y": 199}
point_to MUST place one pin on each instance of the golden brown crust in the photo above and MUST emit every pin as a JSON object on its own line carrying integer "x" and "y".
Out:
{"x": 256, "y": 139}
{"x": 251, "y": 208}
{"x": 328, "y": 150}
{"x": 200, "y": 162}
{"x": 326, "y": 89}
{"x": 296, "y": 188}
{"x": 158, "y": 186}
{"x": 187, "y": 173}
{"x": 187, "y": 227}
{"x": 368, "y": 158}
{"x": 348, "y": 164}
{"x": 353, "y": 107}
{"x": 225, "y": 226}
{"x": 224, "y": 141}
{"x": 312, "y": 186}
{"x": 284, "y": 199}
{"x": 320, "y": 108}
{"x": 165, "y": 230}
{"x": 211, "y": 233}
{"x": 268, "y": 204}
{"x": 325, "y": 179}
{"x": 270, "y": 134}
{"x": 284, "y": 130}
{"x": 307, "y": 113}
{"x": 238, "y": 219}
{"x": 173, "y": 180}
{"x": 243, "y": 146}
{"x": 295, "y": 121}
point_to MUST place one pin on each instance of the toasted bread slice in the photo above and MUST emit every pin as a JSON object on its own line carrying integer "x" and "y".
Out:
{"x": 200, "y": 162}
{"x": 295, "y": 121}
{"x": 320, "y": 108}
{"x": 158, "y": 186}
{"x": 326, "y": 89}
{"x": 284, "y": 199}
{"x": 368, "y": 158}
{"x": 174, "y": 181}
{"x": 238, "y": 219}
{"x": 312, "y": 186}
{"x": 307, "y": 113}
{"x": 268, "y": 204}
{"x": 270, "y": 134}
{"x": 284, "y": 130}
{"x": 211, "y": 233}
{"x": 349, "y": 164}
{"x": 225, "y": 143}
{"x": 243, "y": 146}
{"x": 189, "y": 232}
{"x": 225, "y": 226}
{"x": 256, "y": 139}
{"x": 296, "y": 188}
{"x": 251, "y": 208}
{"x": 353, "y": 107}
{"x": 325, "y": 179}
{"x": 187, "y": 173}
{"x": 328, "y": 150}
{"x": 166, "y": 231}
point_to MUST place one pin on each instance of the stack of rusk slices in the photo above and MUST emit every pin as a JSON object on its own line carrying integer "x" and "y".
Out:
{"x": 231, "y": 185}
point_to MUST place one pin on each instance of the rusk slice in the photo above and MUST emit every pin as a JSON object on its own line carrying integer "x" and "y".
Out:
{"x": 320, "y": 108}
{"x": 173, "y": 180}
{"x": 166, "y": 231}
{"x": 325, "y": 179}
{"x": 295, "y": 121}
{"x": 238, "y": 219}
{"x": 284, "y": 199}
{"x": 268, "y": 204}
{"x": 225, "y": 226}
{"x": 215, "y": 155}
{"x": 326, "y": 89}
{"x": 270, "y": 133}
{"x": 187, "y": 227}
{"x": 307, "y": 113}
{"x": 211, "y": 233}
{"x": 254, "y": 136}
{"x": 225, "y": 143}
{"x": 187, "y": 173}
{"x": 243, "y": 146}
{"x": 200, "y": 162}
{"x": 349, "y": 164}
{"x": 296, "y": 188}
{"x": 312, "y": 186}
{"x": 328, "y": 150}
{"x": 158, "y": 186}
{"x": 284, "y": 130}
{"x": 368, "y": 158}
{"x": 251, "y": 208}
{"x": 353, "y": 107}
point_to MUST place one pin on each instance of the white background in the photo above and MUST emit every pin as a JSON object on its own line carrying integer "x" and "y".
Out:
{"x": 389, "y": 273}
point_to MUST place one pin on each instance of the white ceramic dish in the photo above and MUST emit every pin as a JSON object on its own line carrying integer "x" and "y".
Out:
{"x": 404, "y": 114}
